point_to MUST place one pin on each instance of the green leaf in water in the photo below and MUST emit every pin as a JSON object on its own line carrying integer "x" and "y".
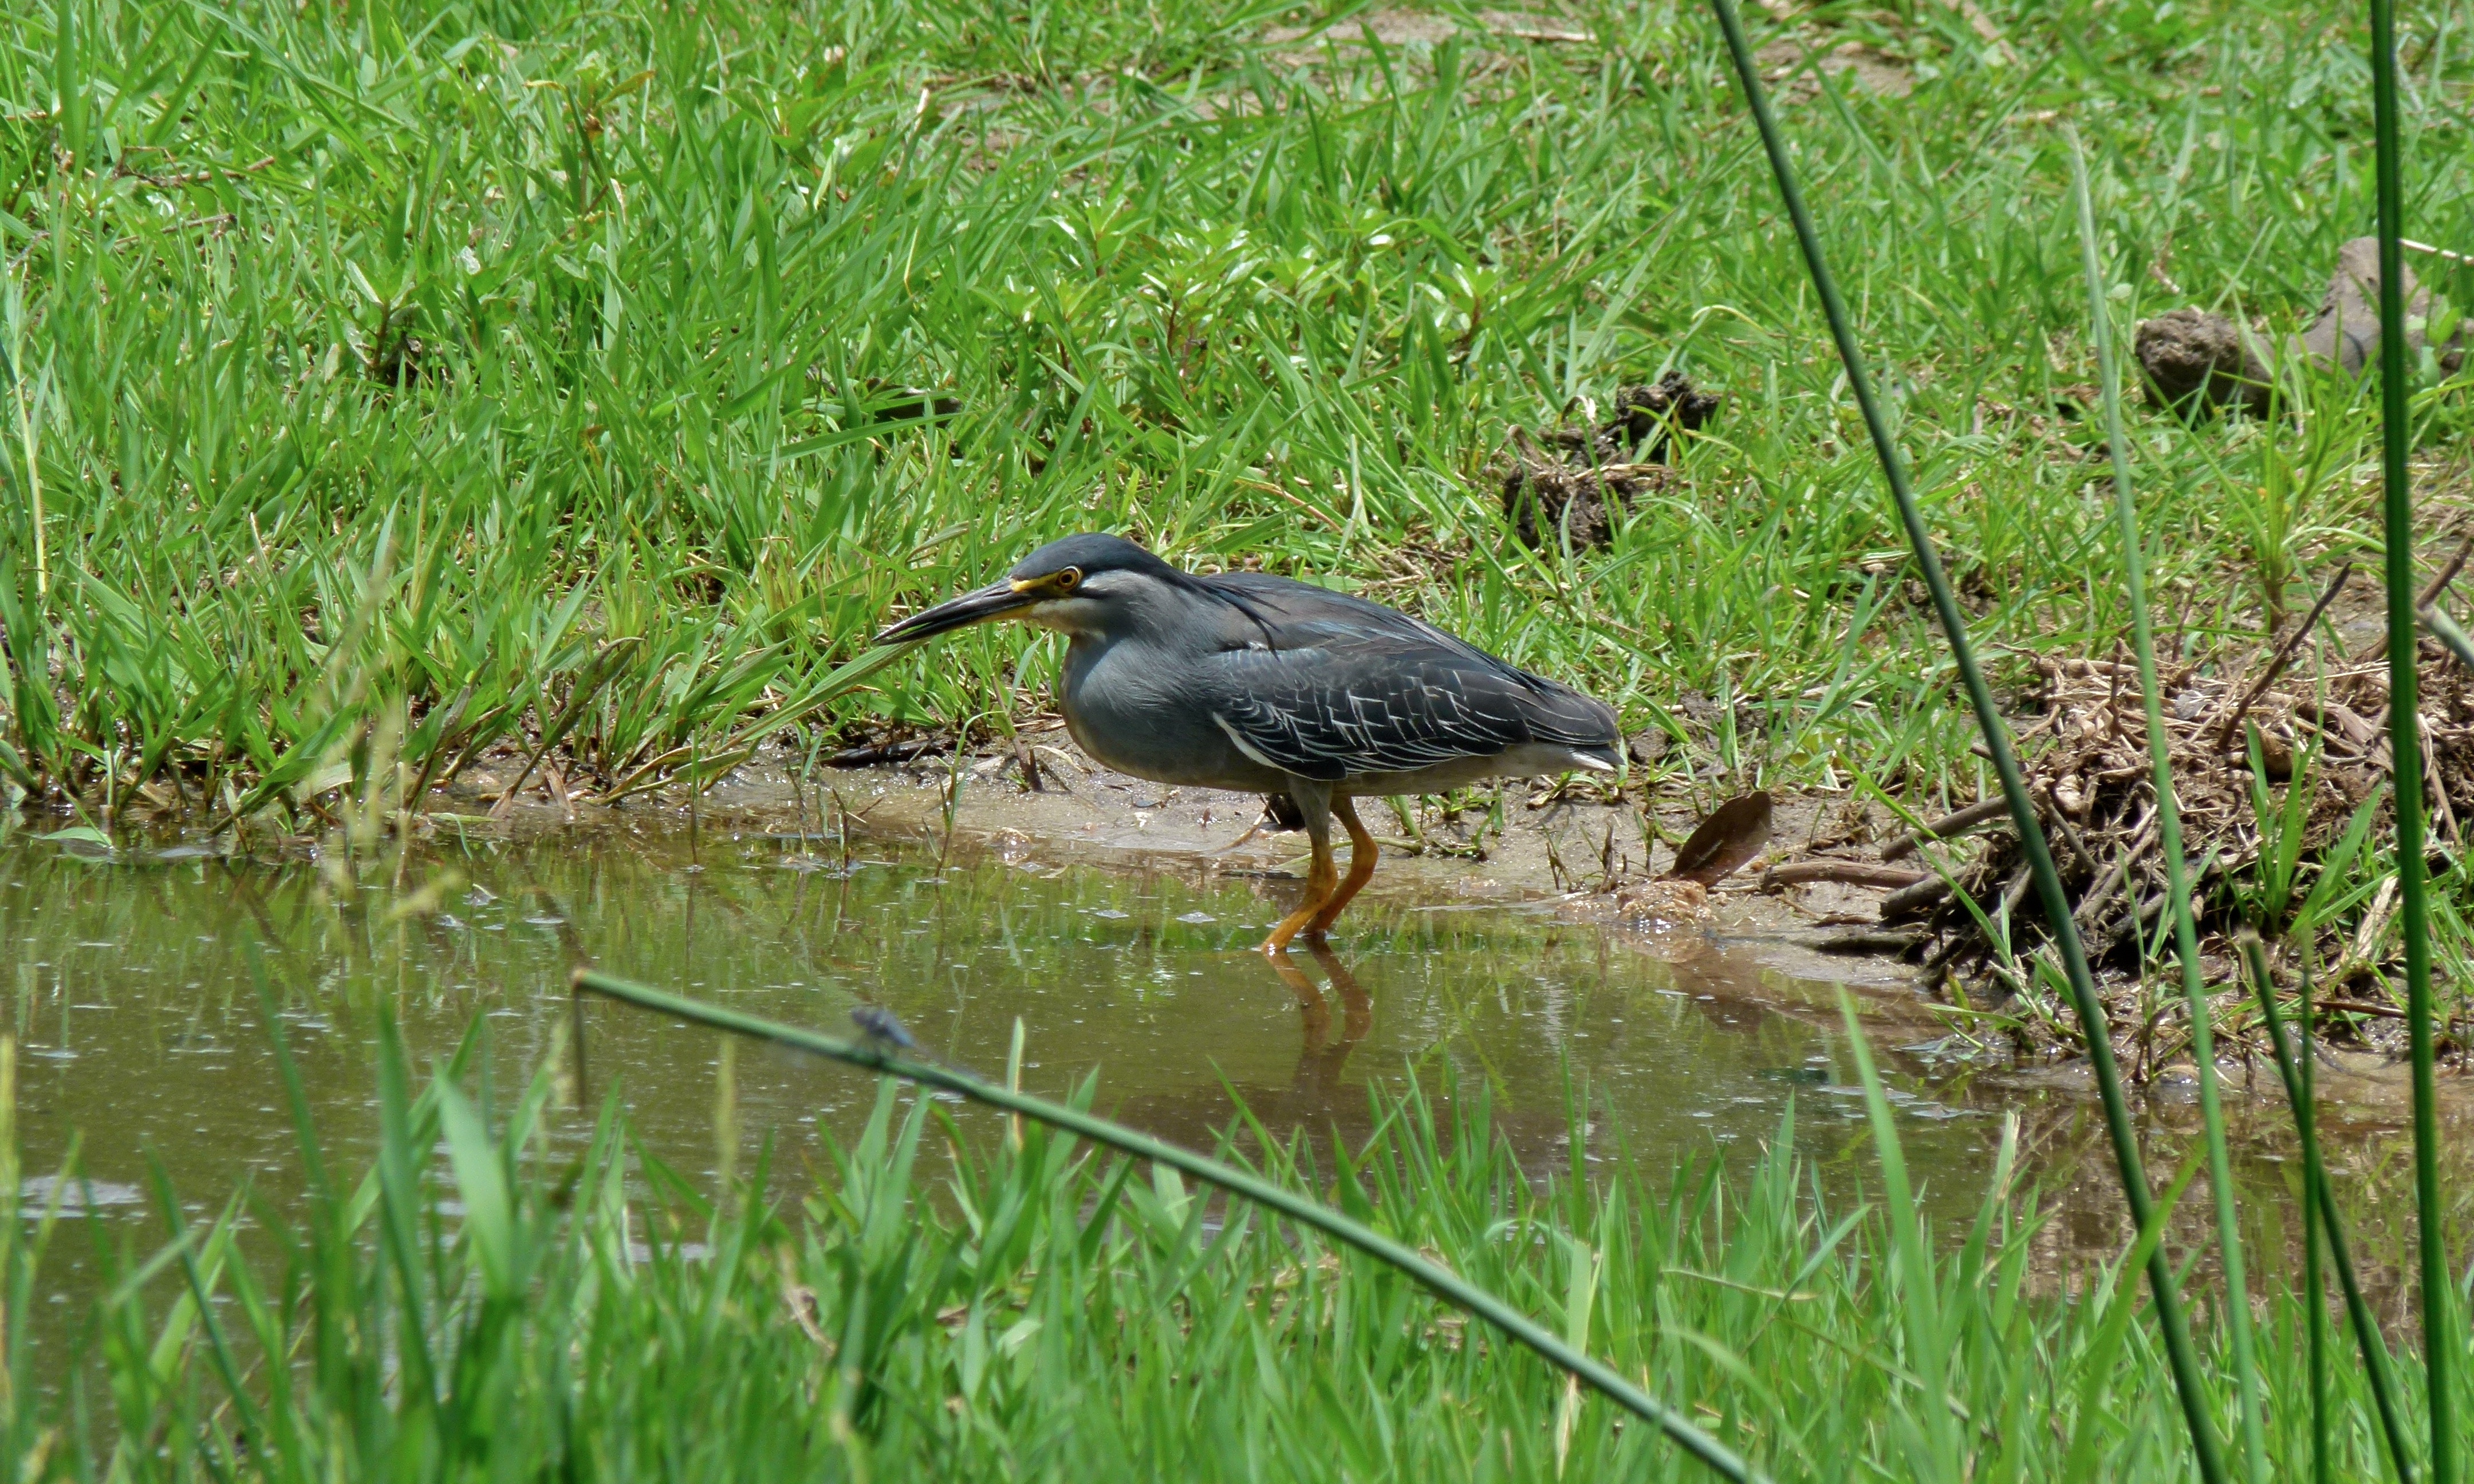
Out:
{"x": 79, "y": 834}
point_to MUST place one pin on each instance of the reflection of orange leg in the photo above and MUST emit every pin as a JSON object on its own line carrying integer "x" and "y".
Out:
{"x": 1321, "y": 1056}
{"x": 1311, "y": 1004}
{"x": 1361, "y": 868}
{"x": 1357, "y": 1007}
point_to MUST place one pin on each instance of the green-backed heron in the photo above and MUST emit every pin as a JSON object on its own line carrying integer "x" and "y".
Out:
{"x": 1257, "y": 683}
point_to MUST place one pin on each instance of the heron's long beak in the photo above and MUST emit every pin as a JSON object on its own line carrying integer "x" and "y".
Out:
{"x": 996, "y": 600}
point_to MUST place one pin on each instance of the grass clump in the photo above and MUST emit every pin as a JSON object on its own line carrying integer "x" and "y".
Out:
{"x": 501, "y": 1308}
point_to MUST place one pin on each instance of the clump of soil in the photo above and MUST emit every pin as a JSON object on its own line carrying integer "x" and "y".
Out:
{"x": 1579, "y": 504}
{"x": 2191, "y": 354}
{"x": 2196, "y": 360}
{"x": 1574, "y": 483}
{"x": 1644, "y": 423}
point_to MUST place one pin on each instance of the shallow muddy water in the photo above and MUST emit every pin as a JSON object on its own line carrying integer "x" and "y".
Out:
{"x": 136, "y": 1009}
{"x": 140, "y": 1030}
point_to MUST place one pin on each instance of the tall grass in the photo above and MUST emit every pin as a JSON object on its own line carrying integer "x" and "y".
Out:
{"x": 2322, "y": 1230}
{"x": 1270, "y": 1197}
{"x": 2097, "y": 1033}
{"x": 2168, "y": 828}
{"x": 2441, "y": 1340}
{"x": 471, "y": 1305}
{"x": 396, "y": 384}
{"x": 2440, "y": 1330}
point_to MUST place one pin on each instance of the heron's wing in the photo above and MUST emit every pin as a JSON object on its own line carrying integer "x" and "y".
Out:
{"x": 1339, "y": 688}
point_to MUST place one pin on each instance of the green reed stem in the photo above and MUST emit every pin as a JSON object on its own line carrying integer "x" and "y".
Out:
{"x": 2440, "y": 1338}
{"x": 2169, "y": 1317}
{"x": 2297, "y": 1076}
{"x": 2169, "y": 829}
{"x": 2314, "y": 1242}
{"x": 1445, "y": 1285}
{"x": 12, "y": 1235}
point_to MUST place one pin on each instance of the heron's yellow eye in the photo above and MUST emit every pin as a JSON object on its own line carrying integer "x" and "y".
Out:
{"x": 1069, "y": 578}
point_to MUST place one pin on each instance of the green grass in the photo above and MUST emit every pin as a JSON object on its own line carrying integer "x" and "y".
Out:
{"x": 1046, "y": 1312}
{"x": 394, "y": 386}
{"x": 409, "y": 380}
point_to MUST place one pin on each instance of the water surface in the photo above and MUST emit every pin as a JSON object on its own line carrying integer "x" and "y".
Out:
{"x": 136, "y": 1007}
{"x": 137, "y": 1013}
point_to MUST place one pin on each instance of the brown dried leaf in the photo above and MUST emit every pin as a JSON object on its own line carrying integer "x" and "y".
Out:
{"x": 1733, "y": 834}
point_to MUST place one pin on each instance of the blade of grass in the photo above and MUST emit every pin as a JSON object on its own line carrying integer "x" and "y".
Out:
{"x": 2447, "y": 631}
{"x": 2082, "y": 1462}
{"x": 2169, "y": 1317}
{"x": 1928, "y": 1351}
{"x": 2440, "y": 1336}
{"x": 1449, "y": 1286}
{"x": 2315, "y": 1175}
{"x": 2169, "y": 829}
{"x": 2315, "y": 1248}
{"x": 25, "y": 401}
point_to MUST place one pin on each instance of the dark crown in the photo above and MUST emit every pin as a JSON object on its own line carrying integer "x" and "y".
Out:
{"x": 1091, "y": 552}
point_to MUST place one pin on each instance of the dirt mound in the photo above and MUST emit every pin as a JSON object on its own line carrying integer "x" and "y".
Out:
{"x": 1576, "y": 483}
{"x": 2192, "y": 354}
{"x": 2195, "y": 359}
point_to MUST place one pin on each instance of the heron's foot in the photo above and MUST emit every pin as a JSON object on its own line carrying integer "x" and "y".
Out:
{"x": 1291, "y": 930}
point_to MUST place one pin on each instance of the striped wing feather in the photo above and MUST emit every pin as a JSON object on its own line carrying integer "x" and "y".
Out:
{"x": 1330, "y": 687}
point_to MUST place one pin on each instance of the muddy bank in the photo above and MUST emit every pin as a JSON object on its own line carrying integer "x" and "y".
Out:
{"x": 1767, "y": 941}
{"x": 1578, "y": 855}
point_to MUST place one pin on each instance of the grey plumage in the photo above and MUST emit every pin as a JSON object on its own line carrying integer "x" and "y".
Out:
{"x": 1338, "y": 687}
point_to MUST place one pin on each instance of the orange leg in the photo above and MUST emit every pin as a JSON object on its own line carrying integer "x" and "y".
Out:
{"x": 1321, "y": 877}
{"x": 1361, "y": 868}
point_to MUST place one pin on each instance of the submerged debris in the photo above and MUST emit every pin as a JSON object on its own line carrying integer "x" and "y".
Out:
{"x": 1580, "y": 481}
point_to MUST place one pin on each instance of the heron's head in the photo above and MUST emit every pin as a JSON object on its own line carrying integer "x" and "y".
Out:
{"x": 1079, "y": 584}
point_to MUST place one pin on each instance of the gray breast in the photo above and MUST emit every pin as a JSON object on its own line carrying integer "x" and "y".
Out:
{"x": 1138, "y": 709}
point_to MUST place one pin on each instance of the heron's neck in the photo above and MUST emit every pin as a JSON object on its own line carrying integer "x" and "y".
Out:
{"x": 1162, "y": 616}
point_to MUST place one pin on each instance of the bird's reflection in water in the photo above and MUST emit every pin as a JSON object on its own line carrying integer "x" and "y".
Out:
{"x": 1315, "y": 1100}
{"x": 1320, "y": 1059}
